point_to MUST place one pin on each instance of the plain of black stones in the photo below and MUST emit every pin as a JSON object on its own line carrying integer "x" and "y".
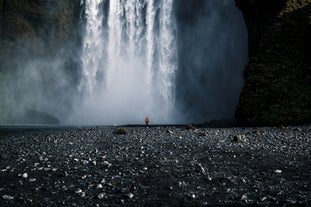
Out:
{"x": 156, "y": 166}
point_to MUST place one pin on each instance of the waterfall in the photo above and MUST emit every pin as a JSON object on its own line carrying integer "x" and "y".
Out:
{"x": 175, "y": 61}
{"x": 93, "y": 46}
{"x": 130, "y": 70}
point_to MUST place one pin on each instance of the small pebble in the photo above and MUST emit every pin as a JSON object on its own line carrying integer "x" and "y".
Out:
{"x": 78, "y": 191}
{"x": 99, "y": 186}
{"x": 7, "y": 197}
{"x": 130, "y": 195}
{"x": 106, "y": 163}
{"x": 25, "y": 175}
{"x": 263, "y": 199}
{"x": 100, "y": 196}
{"x": 32, "y": 179}
{"x": 244, "y": 198}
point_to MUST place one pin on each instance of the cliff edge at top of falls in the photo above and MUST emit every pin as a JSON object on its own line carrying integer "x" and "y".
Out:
{"x": 277, "y": 86}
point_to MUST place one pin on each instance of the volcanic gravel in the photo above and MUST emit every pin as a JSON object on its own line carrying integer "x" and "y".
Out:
{"x": 156, "y": 166}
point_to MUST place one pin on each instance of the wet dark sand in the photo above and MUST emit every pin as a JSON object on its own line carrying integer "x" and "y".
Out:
{"x": 155, "y": 166}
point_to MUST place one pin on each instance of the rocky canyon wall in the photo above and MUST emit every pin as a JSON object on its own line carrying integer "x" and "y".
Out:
{"x": 38, "y": 55}
{"x": 277, "y": 88}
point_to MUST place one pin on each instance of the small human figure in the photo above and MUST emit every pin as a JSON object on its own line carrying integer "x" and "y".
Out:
{"x": 147, "y": 120}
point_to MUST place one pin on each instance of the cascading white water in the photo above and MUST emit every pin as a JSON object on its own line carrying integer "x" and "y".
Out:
{"x": 175, "y": 61}
{"x": 93, "y": 46}
{"x": 137, "y": 61}
{"x": 168, "y": 51}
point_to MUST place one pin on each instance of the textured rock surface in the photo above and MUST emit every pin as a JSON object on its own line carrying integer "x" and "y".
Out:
{"x": 34, "y": 29}
{"x": 277, "y": 79}
{"x": 40, "y": 25}
{"x": 36, "y": 37}
{"x": 155, "y": 166}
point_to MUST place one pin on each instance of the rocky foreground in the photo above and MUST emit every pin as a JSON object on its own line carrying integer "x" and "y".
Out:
{"x": 155, "y": 166}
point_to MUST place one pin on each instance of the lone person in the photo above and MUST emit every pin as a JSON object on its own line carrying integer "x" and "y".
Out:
{"x": 147, "y": 120}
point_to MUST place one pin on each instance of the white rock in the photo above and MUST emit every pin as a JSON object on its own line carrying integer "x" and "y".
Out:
{"x": 103, "y": 180}
{"x": 99, "y": 186}
{"x": 7, "y": 197}
{"x": 106, "y": 163}
{"x": 200, "y": 168}
{"x": 244, "y": 198}
{"x": 130, "y": 195}
{"x": 78, "y": 191}
{"x": 32, "y": 179}
{"x": 5, "y": 169}
{"x": 277, "y": 171}
{"x": 100, "y": 196}
{"x": 25, "y": 175}
{"x": 170, "y": 131}
{"x": 263, "y": 199}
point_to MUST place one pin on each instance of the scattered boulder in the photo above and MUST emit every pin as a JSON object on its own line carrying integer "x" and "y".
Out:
{"x": 203, "y": 134}
{"x": 120, "y": 131}
{"x": 239, "y": 138}
{"x": 256, "y": 132}
{"x": 190, "y": 127}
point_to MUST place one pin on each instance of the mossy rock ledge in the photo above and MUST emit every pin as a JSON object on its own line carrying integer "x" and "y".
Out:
{"x": 277, "y": 88}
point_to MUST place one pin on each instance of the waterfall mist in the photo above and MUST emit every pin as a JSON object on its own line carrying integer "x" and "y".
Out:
{"x": 175, "y": 61}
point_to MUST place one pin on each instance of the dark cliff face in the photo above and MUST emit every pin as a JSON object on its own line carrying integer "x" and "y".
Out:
{"x": 277, "y": 86}
{"x": 40, "y": 25}
{"x": 38, "y": 55}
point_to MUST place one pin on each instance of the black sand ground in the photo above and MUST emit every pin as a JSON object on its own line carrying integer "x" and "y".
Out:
{"x": 155, "y": 166}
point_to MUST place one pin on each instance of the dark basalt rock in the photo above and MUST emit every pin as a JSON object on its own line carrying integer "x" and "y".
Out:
{"x": 120, "y": 131}
{"x": 277, "y": 88}
{"x": 83, "y": 166}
